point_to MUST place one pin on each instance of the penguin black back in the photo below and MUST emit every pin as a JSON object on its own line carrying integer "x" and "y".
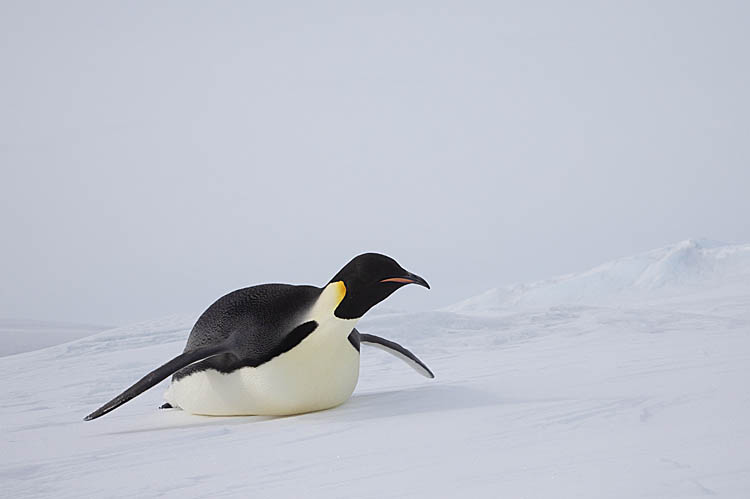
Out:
{"x": 271, "y": 311}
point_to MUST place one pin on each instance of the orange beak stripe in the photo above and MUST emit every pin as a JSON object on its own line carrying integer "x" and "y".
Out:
{"x": 402, "y": 280}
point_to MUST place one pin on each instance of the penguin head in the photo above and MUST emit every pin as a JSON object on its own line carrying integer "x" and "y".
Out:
{"x": 369, "y": 279}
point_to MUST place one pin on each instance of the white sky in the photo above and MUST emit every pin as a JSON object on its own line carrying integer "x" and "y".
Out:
{"x": 156, "y": 155}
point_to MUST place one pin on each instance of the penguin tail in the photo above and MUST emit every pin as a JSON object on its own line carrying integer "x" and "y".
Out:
{"x": 158, "y": 375}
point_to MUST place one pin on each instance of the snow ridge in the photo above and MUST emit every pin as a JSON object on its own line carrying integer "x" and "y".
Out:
{"x": 682, "y": 269}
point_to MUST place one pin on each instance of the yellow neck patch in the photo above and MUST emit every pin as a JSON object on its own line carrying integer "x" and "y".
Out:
{"x": 340, "y": 289}
{"x": 325, "y": 307}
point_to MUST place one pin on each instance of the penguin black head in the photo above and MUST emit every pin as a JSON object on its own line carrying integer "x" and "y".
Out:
{"x": 369, "y": 279}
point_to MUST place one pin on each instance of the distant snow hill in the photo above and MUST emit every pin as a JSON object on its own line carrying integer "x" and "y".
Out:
{"x": 24, "y": 335}
{"x": 672, "y": 275}
{"x": 629, "y": 380}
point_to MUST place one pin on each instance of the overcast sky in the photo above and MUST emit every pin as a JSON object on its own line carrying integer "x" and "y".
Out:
{"x": 156, "y": 155}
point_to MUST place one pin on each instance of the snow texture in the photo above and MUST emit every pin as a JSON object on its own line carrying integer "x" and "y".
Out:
{"x": 629, "y": 380}
{"x": 23, "y": 335}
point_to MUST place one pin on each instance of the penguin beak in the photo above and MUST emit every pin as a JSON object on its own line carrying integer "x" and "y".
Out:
{"x": 409, "y": 278}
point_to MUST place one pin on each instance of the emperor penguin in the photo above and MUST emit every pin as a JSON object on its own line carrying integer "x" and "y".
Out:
{"x": 280, "y": 349}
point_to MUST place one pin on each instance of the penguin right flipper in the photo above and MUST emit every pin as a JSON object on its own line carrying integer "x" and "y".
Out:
{"x": 397, "y": 350}
{"x": 161, "y": 373}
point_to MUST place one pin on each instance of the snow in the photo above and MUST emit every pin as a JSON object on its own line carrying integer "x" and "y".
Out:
{"x": 688, "y": 268}
{"x": 24, "y": 335}
{"x": 629, "y": 380}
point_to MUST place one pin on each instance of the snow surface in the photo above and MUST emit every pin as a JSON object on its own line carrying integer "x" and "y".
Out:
{"x": 23, "y": 335}
{"x": 629, "y": 380}
{"x": 706, "y": 270}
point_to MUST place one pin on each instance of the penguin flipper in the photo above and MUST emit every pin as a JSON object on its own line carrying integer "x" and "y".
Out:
{"x": 354, "y": 339}
{"x": 159, "y": 374}
{"x": 397, "y": 350}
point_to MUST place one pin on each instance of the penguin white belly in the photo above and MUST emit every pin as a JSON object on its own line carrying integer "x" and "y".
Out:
{"x": 319, "y": 373}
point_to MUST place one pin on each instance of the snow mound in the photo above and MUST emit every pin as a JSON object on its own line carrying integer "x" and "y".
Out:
{"x": 675, "y": 271}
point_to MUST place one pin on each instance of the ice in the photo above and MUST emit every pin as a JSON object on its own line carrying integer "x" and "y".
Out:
{"x": 628, "y": 380}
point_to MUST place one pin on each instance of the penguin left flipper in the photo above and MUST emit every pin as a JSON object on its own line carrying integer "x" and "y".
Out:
{"x": 396, "y": 350}
{"x": 161, "y": 373}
